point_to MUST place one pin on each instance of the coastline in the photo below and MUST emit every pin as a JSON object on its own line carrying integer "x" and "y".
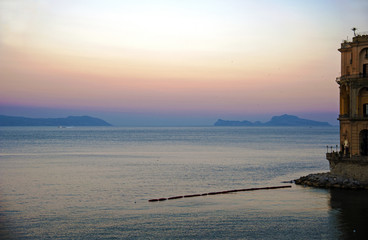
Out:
{"x": 329, "y": 180}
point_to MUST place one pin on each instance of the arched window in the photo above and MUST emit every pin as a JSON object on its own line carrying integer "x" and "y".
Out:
{"x": 363, "y": 62}
{"x": 344, "y": 101}
{"x": 363, "y": 102}
{"x": 365, "y": 110}
{"x": 363, "y": 141}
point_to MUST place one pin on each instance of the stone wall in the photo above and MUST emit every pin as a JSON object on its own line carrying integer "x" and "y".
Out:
{"x": 350, "y": 169}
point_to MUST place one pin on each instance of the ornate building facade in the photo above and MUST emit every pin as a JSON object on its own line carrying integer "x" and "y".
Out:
{"x": 352, "y": 160}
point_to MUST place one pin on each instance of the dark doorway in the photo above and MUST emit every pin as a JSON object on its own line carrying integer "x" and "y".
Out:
{"x": 363, "y": 136}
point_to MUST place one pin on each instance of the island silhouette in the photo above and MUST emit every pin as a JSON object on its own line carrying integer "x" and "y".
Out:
{"x": 68, "y": 121}
{"x": 283, "y": 120}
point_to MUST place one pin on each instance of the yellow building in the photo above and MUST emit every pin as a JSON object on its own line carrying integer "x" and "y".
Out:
{"x": 352, "y": 160}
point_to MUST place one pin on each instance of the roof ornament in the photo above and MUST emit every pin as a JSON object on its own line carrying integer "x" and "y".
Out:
{"x": 354, "y": 29}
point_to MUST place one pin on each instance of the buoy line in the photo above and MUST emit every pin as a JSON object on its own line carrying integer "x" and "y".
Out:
{"x": 217, "y": 193}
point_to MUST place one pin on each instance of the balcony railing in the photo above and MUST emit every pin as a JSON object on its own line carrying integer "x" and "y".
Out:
{"x": 355, "y": 117}
{"x": 335, "y": 156}
{"x": 359, "y": 76}
{"x": 339, "y": 157}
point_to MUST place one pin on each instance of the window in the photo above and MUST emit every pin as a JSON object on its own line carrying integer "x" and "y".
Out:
{"x": 363, "y": 139}
{"x": 365, "y": 110}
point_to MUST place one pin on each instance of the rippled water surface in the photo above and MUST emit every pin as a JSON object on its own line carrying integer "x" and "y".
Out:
{"x": 95, "y": 183}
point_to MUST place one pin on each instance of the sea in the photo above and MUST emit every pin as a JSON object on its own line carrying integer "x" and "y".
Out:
{"x": 96, "y": 183}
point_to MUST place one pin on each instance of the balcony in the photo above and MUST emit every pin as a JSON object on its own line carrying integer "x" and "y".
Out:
{"x": 344, "y": 116}
{"x": 353, "y": 117}
{"x": 335, "y": 156}
{"x": 339, "y": 157}
{"x": 354, "y": 77}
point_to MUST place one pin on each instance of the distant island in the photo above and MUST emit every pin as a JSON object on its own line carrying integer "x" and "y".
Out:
{"x": 68, "y": 121}
{"x": 283, "y": 120}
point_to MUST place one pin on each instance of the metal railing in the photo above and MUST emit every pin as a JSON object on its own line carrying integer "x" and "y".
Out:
{"x": 332, "y": 148}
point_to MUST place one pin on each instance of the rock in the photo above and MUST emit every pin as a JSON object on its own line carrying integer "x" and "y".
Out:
{"x": 356, "y": 183}
{"x": 327, "y": 180}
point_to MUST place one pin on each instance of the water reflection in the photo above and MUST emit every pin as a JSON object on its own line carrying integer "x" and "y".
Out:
{"x": 351, "y": 212}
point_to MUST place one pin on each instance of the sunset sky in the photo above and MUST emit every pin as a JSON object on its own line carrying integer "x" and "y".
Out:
{"x": 174, "y": 62}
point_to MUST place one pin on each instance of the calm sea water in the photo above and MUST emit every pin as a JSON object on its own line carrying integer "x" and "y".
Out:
{"x": 95, "y": 183}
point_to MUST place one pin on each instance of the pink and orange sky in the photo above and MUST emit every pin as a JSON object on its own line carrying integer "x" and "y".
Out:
{"x": 196, "y": 60}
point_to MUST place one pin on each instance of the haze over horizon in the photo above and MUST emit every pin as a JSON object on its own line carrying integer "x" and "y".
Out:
{"x": 174, "y": 62}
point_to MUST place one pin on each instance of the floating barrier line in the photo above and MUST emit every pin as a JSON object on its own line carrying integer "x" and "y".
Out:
{"x": 217, "y": 193}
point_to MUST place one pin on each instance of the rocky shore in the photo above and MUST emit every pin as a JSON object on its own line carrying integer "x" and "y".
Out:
{"x": 328, "y": 180}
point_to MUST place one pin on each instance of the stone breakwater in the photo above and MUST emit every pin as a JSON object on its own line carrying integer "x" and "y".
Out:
{"x": 328, "y": 180}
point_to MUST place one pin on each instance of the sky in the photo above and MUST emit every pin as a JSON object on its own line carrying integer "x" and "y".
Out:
{"x": 170, "y": 62}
